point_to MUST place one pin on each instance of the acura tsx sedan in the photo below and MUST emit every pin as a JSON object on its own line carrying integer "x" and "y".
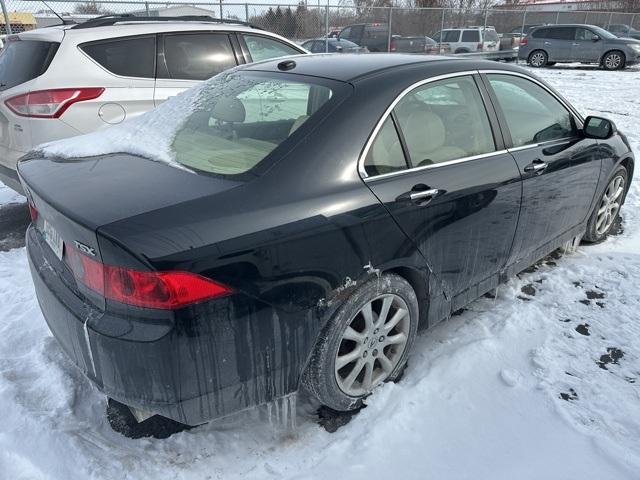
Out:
{"x": 291, "y": 224}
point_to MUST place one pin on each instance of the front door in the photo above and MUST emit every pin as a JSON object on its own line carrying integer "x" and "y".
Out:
{"x": 185, "y": 59}
{"x": 560, "y": 168}
{"x": 586, "y": 46}
{"x": 435, "y": 165}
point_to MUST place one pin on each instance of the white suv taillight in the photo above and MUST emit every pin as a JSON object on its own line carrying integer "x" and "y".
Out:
{"x": 50, "y": 103}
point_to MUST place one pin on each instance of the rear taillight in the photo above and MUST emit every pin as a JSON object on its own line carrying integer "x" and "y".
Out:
{"x": 393, "y": 46}
{"x": 33, "y": 211}
{"x": 162, "y": 290}
{"x": 50, "y": 103}
{"x": 524, "y": 41}
{"x": 480, "y": 46}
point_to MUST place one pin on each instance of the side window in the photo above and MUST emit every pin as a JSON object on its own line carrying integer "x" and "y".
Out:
{"x": 562, "y": 33}
{"x": 470, "y": 36}
{"x": 345, "y": 33}
{"x": 197, "y": 56}
{"x": 263, "y": 48}
{"x": 491, "y": 36}
{"x": 129, "y": 57}
{"x": 444, "y": 121}
{"x": 584, "y": 34}
{"x": 541, "y": 33}
{"x": 436, "y": 37}
{"x": 533, "y": 114}
{"x": 451, "y": 35}
{"x": 385, "y": 154}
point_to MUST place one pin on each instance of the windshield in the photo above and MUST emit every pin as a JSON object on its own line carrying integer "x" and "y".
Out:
{"x": 240, "y": 121}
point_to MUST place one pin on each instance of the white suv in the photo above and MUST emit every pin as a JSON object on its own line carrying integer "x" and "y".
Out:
{"x": 468, "y": 40}
{"x": 63, "y": 81}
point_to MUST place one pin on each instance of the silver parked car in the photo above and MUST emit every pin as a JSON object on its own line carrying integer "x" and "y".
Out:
{"x": 550, "y": 44}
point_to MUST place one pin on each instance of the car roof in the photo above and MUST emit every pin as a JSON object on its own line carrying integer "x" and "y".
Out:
{"x": 347, "y": 67}
{"x": 129, "y": 28}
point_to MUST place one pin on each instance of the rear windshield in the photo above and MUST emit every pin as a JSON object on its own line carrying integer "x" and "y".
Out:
{"x": 240, "y": 121}
{"x": 24, "y": 60}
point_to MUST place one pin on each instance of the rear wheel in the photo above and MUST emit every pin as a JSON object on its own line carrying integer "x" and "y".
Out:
{"x": 604, "y": 216}
{"x": 365, "y": 344}
{"x": 538, "y": 58}
{"x": 614, "y": 60}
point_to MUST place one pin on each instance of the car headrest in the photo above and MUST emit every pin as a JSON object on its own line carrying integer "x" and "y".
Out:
{"x": 423, "y": 131}
{"x": 229, "y": 110}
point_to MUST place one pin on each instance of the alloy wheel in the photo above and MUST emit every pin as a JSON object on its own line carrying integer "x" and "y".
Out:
{"x": 372, "y": 345}
{"x": 613, "y": 61}
{"x": 537, "y": 59}
{"x": 610, "y": 204}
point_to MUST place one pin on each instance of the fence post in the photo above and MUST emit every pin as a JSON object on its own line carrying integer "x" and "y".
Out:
{"x": 441, "y": 33}
{"x": 7, "y": 22}
{"x": 558, "y": 17}
{"x": 246, "y": 12}
{"x": 633, "y": 17}
{"x": 146, "y": 8}
{"x": 389, "y": 34}
{"x": 221, "y": 17}
{"x": 524, "y": 21}
{"x": 326, "y": 28}
{"x": 486, "y": 14}
{"x": 609, "y": 22}
{"x": 586, "y": 17}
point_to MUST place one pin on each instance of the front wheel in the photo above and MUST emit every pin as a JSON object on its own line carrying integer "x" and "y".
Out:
{"x": 613, "y": 61}
{"x": 365, "y": 344}
{"x": 538, "y": 58}
{"x": 604, "y": 216}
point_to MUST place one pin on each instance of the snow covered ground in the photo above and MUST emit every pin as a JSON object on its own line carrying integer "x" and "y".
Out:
{"x": 541, "y": 382}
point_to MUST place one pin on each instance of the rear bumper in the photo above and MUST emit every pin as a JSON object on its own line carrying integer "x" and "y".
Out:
{"x": 192, "y": 365}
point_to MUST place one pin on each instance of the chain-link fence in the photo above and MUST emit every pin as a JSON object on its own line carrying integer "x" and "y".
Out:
{"x": 304, "y": 21}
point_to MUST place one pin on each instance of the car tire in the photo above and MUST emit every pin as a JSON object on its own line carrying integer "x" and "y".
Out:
{"x": 607, "y": 209}
{"x": 360, "y": 344}
{"x": 538, "y": 58}
{"x": 613, "y": 60}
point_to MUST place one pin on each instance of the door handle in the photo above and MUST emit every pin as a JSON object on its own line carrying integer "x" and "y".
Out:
{"x": 424, "y": 194}
{"x": 537, "y": 166}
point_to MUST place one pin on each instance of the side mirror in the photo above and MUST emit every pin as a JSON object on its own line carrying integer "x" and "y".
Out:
{"x": 599, "y": 128}
{"x": 596, "y": 38}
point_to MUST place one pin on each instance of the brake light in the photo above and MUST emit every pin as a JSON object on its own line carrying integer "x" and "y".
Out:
{"x": 480, "y": 45}
{"x": 393, "y": 46}
{"x": 33, "y": 211}
{"x": 162, "y": 290}
{"x": 50, "y": 103}
{"x": 524, "y": 41}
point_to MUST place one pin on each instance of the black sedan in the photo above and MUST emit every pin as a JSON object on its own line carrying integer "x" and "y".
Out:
{"x": 326, "y": 208}
{"x": 333, "y": 45}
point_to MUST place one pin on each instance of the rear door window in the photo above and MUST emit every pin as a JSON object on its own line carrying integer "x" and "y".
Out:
{"x": 263, "y": 48}
{"x": 541, "y": 33}
{"x": 24, "y": 60}
{"x": 491, "y": 36}
{"x": 128, "y": 57}
{"x": 471, "y": 36}
{"x": 198, "y": 56}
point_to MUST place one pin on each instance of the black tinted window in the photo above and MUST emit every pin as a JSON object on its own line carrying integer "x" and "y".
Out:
{"x": 451, "y": 36}
{"x": 541, "y": 33}
{"x": 562, "y": 33}
{"x": 129, "y": 57}
{"x": 24, "y": 60}
{"x": 471, "y": 36}
{"x": 198, "y": 56}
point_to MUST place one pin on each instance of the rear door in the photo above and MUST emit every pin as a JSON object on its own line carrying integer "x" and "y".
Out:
{"x": 585, "y": 46}
{"x": 443, "y": 175}
{"x": 186, "y": 59}
{"x": 560, "y": 168}
{"x": 559, "y": 43}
